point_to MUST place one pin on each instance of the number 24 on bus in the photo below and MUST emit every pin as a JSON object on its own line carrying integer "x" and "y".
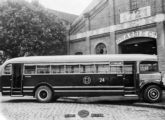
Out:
{"x": 48, "y": 77}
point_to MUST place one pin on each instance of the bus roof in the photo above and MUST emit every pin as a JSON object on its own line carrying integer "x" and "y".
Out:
{"x": 82, "y": 58}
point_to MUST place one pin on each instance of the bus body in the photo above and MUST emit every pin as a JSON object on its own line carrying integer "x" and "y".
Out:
{"x": 82, "y": 75}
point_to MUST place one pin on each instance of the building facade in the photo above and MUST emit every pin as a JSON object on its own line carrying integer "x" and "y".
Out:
{"x": 120, "y": 27}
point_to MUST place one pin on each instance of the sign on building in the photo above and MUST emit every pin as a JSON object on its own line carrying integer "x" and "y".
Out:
{"x": 136, "y": 14}
{"x": 135, "y": 34}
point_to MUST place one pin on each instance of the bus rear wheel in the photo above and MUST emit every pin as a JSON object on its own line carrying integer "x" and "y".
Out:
{"x": 152, "y": 94}
{"x": 44, "y": 94}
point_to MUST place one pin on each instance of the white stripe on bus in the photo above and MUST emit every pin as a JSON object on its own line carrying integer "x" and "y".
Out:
{"x": 88, "y": 87}
{"x": 28, "y": 87}
{"x": 6, "y": 91}
{"x": 6, "y": 87}
{"x": 27, "y": 90}
{"x": 88, "y": 90}
{"x": 32, "y": 87}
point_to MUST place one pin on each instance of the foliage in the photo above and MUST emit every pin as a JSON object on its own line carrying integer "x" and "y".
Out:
{"x": 29, "y": 29}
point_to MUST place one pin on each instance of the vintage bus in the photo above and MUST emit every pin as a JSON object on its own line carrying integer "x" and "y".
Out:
{"x": 47, "y": 77}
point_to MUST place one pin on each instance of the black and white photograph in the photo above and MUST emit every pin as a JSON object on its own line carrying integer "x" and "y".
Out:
{"x": 82, "y": 59}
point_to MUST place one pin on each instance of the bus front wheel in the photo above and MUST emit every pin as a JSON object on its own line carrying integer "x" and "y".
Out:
{"x": 43, "y": 94}
{"x": 152, "y": 93}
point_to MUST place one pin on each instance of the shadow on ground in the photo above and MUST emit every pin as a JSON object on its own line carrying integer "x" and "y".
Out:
{"x": 99, "y": 101}
{"x": 80, "y": 100}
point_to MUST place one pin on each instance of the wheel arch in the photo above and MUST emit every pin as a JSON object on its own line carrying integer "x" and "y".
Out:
{"x": 43, "y": 84}
{"x": 142, "y": 88}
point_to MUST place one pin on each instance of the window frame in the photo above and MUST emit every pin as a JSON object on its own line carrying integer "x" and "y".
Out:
{"x": 133, "y": 5}
{"x": 49, "y": 69}
{"x": 93, "y": 70}
{"x": 117, "y": 64}
{"x": 3, "y": 72}
{"x": 146, "y": 72}
{"x": 30, "y": 65}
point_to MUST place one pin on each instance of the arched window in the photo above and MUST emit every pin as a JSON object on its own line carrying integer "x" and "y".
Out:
{"x": 101, "y": 49}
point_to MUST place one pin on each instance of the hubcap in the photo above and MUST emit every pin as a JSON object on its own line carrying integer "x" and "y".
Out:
{"x": 153, "y": 94}
{"x": 43, "y": 94}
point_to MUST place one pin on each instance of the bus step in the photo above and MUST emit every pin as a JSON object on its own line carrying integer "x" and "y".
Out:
{"x": 19, "y": 93}
{"x": 16, "y": 91}
{"x": 16, "y": 95}
{"x": 16, "y": 88}
{"x": 131, "y": 95}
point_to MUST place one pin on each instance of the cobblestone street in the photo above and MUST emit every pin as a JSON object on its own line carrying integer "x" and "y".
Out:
{"x": 64, "y": 109}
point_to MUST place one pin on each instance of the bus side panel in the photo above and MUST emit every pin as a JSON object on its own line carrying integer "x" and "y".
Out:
{"x": 129, "y": 80}
{"x": 75, "y": 85}
{"x": 0, "y": 84}
{"x": 6, "y": 85}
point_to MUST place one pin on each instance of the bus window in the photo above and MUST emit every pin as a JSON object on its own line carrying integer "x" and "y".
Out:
{"x": 57, "y": 69}
{"x": 89, "y": 68}
{"x": 7, "y": 70}
{"x": 69, "y": 69}
{"x": 76, "y": 69}
{"x": 128, "y": 69}
{"x": 30, "y": 69}
{"x": 102, "y": 68}
{"x": 43, "y": 69}
{"x": 72, "y": 68}
{"x": 148, "y": 66}
{"x": 116, "y": 69}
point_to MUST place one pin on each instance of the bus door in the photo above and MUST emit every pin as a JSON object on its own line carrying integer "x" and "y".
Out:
{"x": 16, "y": 80}
{"x": 116, "y": 77}
{"x": 129, "y": 79}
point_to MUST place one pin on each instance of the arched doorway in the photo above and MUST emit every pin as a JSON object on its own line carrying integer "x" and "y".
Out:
{"x": 101, "y": 48}
{"x": 143, "y": 45}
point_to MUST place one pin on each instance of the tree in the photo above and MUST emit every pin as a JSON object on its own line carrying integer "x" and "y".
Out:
{"x": 26, "y": 29}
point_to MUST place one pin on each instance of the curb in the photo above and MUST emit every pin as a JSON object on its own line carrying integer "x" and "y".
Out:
{"x": 158, "y": 106}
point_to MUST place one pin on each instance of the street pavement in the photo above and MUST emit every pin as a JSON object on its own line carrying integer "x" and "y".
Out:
{"x": 89, "y": 108}
{"x": 134, "y": 101}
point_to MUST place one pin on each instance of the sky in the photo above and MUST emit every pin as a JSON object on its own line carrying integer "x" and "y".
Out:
{"x": 69, "y": 6}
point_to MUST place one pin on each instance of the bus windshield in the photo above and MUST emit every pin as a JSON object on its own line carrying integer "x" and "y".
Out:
{"x": 148, "y": 66}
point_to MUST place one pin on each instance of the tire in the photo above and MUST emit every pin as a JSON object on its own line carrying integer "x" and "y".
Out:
{"x": 152, "y": 94}
{"x": 44, "y": 94}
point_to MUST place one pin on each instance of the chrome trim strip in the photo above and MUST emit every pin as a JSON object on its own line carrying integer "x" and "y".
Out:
{"x": 88, "y": 87}
{"x": 27, "y": 90}
{"x": 131, "y": 95}
{"x": 54, "y": 74}
{"x": 25, "y": 87}
{"x": 6, "y": 87}
{"x": 6, "y": 91}
{"x": 129, "y": 87}
{"x": 88, "y": 90}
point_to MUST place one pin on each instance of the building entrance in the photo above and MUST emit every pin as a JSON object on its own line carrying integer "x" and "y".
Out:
{"x": 138, "y": 46}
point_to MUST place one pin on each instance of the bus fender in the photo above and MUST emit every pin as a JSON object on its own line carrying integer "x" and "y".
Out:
{"x": 42, "y": 84}
{"x": 146, "y": 84}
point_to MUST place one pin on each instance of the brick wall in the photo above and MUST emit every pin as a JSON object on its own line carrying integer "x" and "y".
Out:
{"x": 101, "y": 18}
{"x": 78, "y": 46}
